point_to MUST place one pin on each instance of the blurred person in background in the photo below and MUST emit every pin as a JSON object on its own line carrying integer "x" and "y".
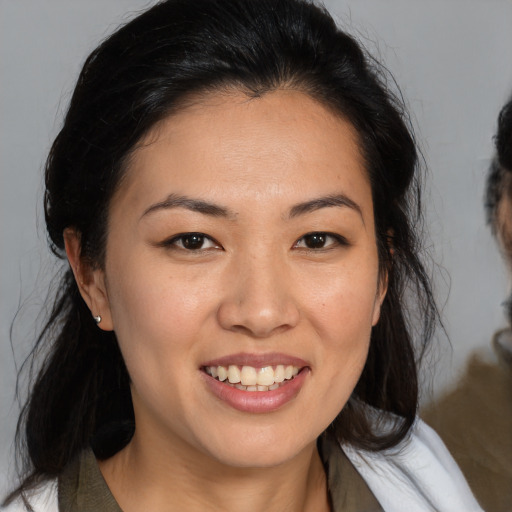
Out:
{"x": 475, "y": 419}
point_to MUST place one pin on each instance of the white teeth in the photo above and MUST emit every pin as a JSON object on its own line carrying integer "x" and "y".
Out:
{"x": 248, "y": 376}
{"x": 233, "y": 374}
{"x": 222, "y": 373}
{"x": 253, "y": 388}
{"x": 266, "y": 376}
{"x": 279, "y": 373}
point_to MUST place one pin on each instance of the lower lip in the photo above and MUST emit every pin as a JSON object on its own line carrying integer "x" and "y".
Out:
{"x": 257, "y": 401}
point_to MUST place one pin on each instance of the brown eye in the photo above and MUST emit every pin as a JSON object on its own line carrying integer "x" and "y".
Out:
{"x": 315, "y": 240}
{"x": 320, "y": 240}
{"x": 193, "y": 242}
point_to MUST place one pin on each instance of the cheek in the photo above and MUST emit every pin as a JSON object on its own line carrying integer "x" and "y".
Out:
{"x": 345, "y": 328}
{"x": 158, "y": 321}
{"x": 157, "y": 315}
{"x": 343, "y": 314}
{"x": 344, "y": 302}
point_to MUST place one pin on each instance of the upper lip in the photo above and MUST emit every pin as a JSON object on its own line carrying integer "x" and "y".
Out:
{"x": 257, "y": 360}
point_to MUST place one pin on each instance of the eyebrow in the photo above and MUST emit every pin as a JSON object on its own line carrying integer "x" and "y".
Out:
{"x": 195, "y": 205}
{"x": 337, "y": 201}
{"x": 214, "y": 210}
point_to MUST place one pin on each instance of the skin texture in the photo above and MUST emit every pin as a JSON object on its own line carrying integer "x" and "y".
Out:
{"x": 253, "y": 287}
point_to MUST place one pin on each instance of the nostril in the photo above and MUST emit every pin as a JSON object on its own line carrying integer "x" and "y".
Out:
{"x": 256, "y": 320}
{"x": 259, "y": 331}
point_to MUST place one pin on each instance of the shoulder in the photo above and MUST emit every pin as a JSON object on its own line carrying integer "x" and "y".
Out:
{"x": 42, "y": 499}
{"x": 417, "y": 475}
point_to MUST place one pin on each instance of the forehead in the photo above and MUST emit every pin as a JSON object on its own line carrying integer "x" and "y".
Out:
{"x": 232, "y": 145}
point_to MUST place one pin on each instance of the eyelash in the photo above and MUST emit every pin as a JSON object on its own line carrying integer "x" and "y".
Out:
{"x": 180, "y": 241}
{"x": 337, "y": 240}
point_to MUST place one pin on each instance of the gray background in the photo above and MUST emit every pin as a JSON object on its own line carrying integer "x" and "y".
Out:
{"x": 452, "y": 59}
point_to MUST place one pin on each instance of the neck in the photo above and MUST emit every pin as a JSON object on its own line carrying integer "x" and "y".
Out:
{"x": 144, "y": 479}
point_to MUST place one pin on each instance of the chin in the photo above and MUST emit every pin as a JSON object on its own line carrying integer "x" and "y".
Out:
{"x": 255, "y": 449}
{"x": 255, "y": 459}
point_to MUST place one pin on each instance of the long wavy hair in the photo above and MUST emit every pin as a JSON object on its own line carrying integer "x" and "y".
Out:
{"x": 144, "y": 72}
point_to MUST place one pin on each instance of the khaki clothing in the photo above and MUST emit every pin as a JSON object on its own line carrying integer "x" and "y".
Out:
{"x": 347, "y": 489}
{"x": 82, "y": 487}
{"x": 475, "y": 422}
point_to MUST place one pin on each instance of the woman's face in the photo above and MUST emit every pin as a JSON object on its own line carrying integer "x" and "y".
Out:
{"x": 241, "y": 248}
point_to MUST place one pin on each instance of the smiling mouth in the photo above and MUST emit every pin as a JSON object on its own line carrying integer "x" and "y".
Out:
{"x": 249, "y": 378}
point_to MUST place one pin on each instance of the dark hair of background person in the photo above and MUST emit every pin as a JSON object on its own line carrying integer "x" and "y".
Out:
{"x": 151, "y": 67}
{"x": 499, "y": 180}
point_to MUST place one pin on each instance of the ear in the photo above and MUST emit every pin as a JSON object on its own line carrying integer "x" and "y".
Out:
{"x": 382, "y": 288}
{"x": 90, "y": 281}
{"x": 382, "y": 284}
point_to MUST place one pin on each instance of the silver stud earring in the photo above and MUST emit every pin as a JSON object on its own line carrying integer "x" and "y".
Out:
{"x": 97, "y": 319}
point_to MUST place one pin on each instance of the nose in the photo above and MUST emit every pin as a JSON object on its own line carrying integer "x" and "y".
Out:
{"x": 258, "y": 299}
